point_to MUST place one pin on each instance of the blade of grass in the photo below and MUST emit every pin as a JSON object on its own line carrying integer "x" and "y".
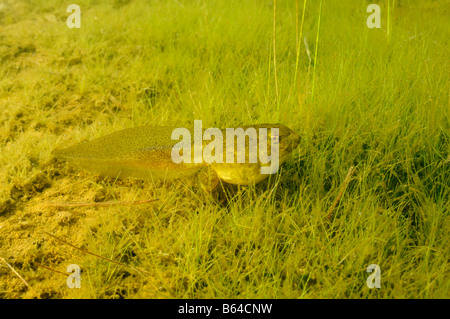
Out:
{"x": 102, "y": 204}
{"x": 316, "y": 50}
{"x": 20, "y": 277}
{"x": 54, "y": 270}
{"x": 341, "y": 192}
{"x": 90, "y": 253}
{"x": 299, "y": 37}
{"x": 274, "y": 48}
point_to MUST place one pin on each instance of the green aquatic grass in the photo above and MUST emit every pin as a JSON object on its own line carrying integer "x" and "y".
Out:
{"x": 373, "y": 99}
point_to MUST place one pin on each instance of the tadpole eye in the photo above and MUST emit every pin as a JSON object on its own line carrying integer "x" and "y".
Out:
{"x": 275, "y": 139}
